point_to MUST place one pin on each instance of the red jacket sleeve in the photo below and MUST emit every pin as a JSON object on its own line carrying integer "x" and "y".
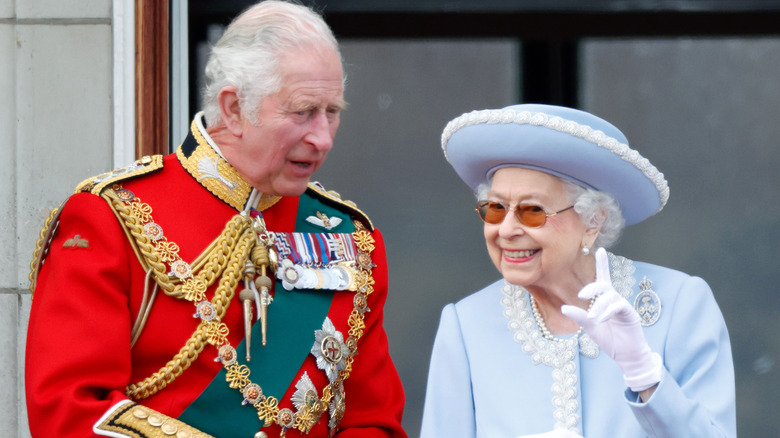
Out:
{"x": 78, "y": 341}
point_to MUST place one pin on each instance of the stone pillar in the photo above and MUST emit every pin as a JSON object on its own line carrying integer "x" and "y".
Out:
{"x": 55, "y": 130}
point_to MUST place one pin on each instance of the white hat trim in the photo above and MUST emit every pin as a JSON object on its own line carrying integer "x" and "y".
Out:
{"x": 560, "y": 124}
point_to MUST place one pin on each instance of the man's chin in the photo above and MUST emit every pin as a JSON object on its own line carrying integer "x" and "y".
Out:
{"x": 289, "y": 189}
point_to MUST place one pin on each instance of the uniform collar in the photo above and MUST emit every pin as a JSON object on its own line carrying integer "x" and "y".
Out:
{"x": 202, "y": 159}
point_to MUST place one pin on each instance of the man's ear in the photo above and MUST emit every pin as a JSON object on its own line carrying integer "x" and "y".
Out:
{"x": 230, "y": 110}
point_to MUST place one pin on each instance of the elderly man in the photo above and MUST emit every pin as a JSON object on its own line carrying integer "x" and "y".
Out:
{"x": 216, "y": 291}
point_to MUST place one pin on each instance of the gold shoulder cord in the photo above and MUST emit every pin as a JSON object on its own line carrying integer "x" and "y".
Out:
{"x": 153, "y": 254}
{"x": 225, "y": 258}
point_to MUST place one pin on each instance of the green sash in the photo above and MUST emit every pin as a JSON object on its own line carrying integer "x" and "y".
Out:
{"x": 292, "y": 319}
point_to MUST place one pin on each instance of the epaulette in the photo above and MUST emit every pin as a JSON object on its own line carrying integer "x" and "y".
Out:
{"x": 316, "y": 189}
{"x": 142, "y": 166}
{"x": 95, "y": 185}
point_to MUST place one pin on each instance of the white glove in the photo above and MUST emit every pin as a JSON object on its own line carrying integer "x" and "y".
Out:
{"x": 558, "y": 433}
{"x": 614, "y": 324}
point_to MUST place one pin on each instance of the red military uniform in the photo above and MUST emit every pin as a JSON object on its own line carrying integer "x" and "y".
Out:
{"x": 136, "y": 300}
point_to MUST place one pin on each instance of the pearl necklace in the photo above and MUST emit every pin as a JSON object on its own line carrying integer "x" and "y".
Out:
{"x": 543, "y": 327}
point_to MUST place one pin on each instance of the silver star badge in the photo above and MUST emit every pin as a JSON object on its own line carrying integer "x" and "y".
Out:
{"x": 330, "y": 350}
{"x": 305, "y": 393}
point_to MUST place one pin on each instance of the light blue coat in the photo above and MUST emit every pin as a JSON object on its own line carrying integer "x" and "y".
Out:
{"x": 482, "y": 383}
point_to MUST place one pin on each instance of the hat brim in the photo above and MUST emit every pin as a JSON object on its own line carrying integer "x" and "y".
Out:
{"x": 564, "y": 142}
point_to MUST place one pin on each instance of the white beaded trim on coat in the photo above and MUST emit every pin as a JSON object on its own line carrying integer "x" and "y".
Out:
{"x": 558, "y": 355}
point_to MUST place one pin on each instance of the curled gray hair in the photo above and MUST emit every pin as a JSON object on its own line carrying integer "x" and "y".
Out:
{"x": 595, "y": 209}
{"x": 248, "y": 53}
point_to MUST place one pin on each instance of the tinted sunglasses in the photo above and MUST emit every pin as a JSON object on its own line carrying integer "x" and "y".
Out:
{"x": 529, "y": 215}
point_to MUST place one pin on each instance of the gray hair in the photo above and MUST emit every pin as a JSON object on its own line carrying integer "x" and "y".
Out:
{"x": 595, "y": 208}
{"x": 247, "y": 56}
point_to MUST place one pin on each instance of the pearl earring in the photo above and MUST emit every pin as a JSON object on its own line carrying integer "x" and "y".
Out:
{"x": 585, "y": 251}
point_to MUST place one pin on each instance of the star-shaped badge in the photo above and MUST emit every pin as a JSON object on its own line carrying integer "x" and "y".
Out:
{"x": 330, "y": 350}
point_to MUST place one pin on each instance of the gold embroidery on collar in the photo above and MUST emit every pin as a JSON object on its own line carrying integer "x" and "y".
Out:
{"x": 267, "y": 201}
{"x": 218, "y": 176}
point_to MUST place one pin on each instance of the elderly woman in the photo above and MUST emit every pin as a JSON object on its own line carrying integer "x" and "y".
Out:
{"x": 573, "y": 341}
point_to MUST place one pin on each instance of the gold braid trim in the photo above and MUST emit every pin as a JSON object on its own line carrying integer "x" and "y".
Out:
{"x": 223, "y": 260}
{"x": 208, "y": 331}
{"x": 42, "y": 246}
{"x": 132, "y": 420}
{"x": 208, "y": 265}
{"x": 141, "y": 243}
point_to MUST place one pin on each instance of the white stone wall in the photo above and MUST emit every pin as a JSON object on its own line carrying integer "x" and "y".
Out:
{"x": 55, "y": 130}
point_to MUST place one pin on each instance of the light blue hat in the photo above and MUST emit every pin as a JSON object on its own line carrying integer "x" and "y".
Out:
{"x": 564, "y": 142}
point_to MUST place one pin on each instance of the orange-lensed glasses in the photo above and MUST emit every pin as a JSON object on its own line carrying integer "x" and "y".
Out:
{"x": 530, "y": 215}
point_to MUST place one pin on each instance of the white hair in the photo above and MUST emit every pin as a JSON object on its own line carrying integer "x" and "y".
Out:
{"x": 248, "y": 53}
{"x": 595, "y": 208}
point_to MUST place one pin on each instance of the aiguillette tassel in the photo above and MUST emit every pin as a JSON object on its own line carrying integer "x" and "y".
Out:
{"x": 247, "y": 296}
{"x": 264, "y": 284}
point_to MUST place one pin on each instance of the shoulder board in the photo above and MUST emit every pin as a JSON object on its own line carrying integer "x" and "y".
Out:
{"x": 145, "y": 165}
{"x": 317, "y": 190}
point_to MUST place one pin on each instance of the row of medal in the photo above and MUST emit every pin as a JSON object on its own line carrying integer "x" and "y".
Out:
{"x": 316, "y": 260}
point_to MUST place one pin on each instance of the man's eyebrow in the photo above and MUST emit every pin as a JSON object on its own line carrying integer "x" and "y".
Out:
{"x": 306, "y": 104}
{"x": 341, "y": 104}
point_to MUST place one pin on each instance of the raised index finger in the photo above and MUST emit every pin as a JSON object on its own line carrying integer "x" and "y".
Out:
{"x": 602, "y": 266}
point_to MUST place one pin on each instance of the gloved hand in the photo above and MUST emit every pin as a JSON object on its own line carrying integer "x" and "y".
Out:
{"x": 614, "y": 324}
{"x": 558, "y": 433}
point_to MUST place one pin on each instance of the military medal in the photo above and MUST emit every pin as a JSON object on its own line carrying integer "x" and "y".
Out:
{"x": 320, "y": 261}
{"x": 181, "y": 269}
{"x": 252, "y": 394}
{"x": 205, "y": 311}
{"x": 305, "y": 393}
{"x": 286, "y": 418}
{"x": 154, "y": 231}
{"x": 124, "y": 194}
{"x": 330, "y": 350}
{"x": 337, "y": 408}
{"x": 227, "y": 355}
